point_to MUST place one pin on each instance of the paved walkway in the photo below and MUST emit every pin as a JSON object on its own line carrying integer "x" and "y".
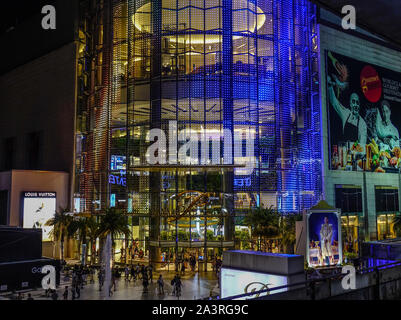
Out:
{"x": 195, "y": 286}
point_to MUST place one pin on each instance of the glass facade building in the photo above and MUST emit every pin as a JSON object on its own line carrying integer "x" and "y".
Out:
{"x": 197, "y": 68}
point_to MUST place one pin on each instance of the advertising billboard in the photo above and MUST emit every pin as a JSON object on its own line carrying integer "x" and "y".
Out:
{"x": 323, "y": 244}
{"x": 235, "y": 282}
{"x": 364, "y": 115}
{"x": 38, "y": 208}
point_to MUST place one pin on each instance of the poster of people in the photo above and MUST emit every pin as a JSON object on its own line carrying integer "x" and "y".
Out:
{"x": 324, "y": 239}
{"x": 364, "y": 112}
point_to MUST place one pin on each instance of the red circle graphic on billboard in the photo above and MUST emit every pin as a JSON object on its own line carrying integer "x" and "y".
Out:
{"x": 371, "y": 84}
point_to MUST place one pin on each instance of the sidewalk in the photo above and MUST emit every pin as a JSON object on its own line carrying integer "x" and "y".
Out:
{"x": 195, "y": 286}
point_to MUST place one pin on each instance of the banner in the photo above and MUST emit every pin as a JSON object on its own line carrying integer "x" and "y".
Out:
{"x": 323, "y": 244}
{"x": 364, "y": 115}
{"x": 38, "y": 208}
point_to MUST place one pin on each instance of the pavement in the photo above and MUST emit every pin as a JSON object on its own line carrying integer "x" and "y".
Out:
{"x": 195, "y": 285}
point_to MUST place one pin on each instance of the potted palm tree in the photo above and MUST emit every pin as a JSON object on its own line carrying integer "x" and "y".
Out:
{"x": 60, "y": 223}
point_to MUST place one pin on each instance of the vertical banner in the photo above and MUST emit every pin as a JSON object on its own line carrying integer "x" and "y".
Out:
{"x": 323, "y": 245}
{"x": 37, "y": 209}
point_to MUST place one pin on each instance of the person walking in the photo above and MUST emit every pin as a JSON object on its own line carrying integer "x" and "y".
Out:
{"x": 150, "y": 270}
{"x": 101, "y": 279}
{"x": 29, "y": 297}
{"x": 160, "y": 284}
{"x": 133, "y": 273}
{"x": 73, "y": 293}
{"x": 143, "y": 271}
{"x": 65, "y": 294}
{"x": 138, "y": 270}
{"x": 183, "y": 268}
{"x": 178, "y": 287}
{"x": 78, "y": 291}
{"x": 145, "y": 282}
{"x": 127, "y": 273}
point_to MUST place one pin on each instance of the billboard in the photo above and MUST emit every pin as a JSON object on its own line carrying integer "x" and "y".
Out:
{"x": 364, "y": 115}
{"x": 38, "y": 208}
{"x": 323, "y": 244}
{"x": 235, "y": 282}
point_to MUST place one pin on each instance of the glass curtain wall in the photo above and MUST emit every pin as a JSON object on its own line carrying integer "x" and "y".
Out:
{"x": 197, "y": 68}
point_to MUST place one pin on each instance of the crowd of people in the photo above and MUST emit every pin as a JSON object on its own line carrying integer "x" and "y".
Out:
{"x": 81, "y": 275}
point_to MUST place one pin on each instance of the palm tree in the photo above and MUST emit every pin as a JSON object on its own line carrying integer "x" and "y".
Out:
{"x": 84, "y": 228}
{"x": 60, "y": 223}
{"x": 93, "y": 234}
{"x": 264, "y": 223}
{"x": 287, "y": 232}
{"x": 113, "y": 222}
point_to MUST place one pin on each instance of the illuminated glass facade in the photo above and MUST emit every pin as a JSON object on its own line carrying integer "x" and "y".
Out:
{"x": 210, "y": 66}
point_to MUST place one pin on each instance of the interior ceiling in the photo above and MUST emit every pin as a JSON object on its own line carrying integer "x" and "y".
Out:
{"x": 381, "y": 17}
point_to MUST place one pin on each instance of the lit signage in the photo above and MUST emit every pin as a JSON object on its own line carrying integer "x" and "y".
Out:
{"x": 38, "y": 208}
{"x": 118, "y": 163}
{"x": 235, "y": 282}
{"x": 120, "y": 181}
{"x": 243, "y": 182}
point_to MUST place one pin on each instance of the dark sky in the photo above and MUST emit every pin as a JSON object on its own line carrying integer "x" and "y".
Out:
{"x": 14, "y": 12}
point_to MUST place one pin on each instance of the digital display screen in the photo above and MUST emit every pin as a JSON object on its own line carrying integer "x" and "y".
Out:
{"x": 118, "y": 163}
{"x": 38, "y": 208}
{"x": 235, "y": 282}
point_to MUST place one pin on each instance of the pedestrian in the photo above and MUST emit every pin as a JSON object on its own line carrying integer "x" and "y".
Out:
{"x": 160, "y": 283}
{"x": 183, "y": 268}
{"x": 143, "y": 271}
{"x": 150, "y": 270}
{"x": 138, "y": 270}
{"x": 73, "y": 293}
{"x": 65, "y": 294}
{"x": 101, "y": 279}
{"x": 173, "y": 281}
{"x": 29, "y": 297}
{"x": 178, "y": 286}
{"x": 54, "y": 295}
{"x": 145, "y": 282}
{"x": 133, "y": 273}
{"x": 127, "y": 273}
{"x": 193, "y": 263}
{"x": 78, "y": 290}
